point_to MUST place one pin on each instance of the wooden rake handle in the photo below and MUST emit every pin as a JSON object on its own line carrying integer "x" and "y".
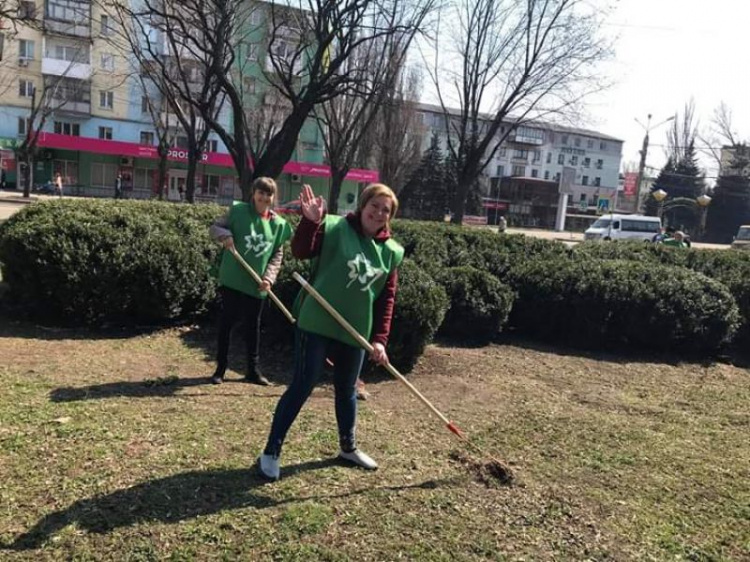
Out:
{"x": 368, "y": 347}
{"x": 258, "y": 280}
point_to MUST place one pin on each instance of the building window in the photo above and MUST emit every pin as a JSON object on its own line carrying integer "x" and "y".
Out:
{"x": 252, "y": 52}
{"x": 256, "y": 16}
{"x": 589, "y": 144}
{"x": 67, "y": 128}
{"x": 144, "y": 104}
{"x": 250, "y": 83}
{"x": 26, "y": 10}
{"x": 519, "y": 171}
{"x": 180, "y": 142}
{"x": 586, "y": 162}
{"x": 103, "y": 175}
{"x": 503, "y": 152}
{"x": 602, "y": 146}
{"x": 212, "y": 145}
{"x": 147, "y": 137}
{"x": 68, "y": 169}
{"x": 500, "y": 171}
{"x": 557, "y": 176}
{"x": 597, "y": 182}
{"x": 549, "y": 158}
{"x": 577, "y": 141}
{"x": 24, "y": 126}
{"x": 537, "y": 156}
{"x": 585, "y": 180}
{"x": 25, "y": 49}
{"x": 534, "y": 173}
{"x": 108, "y": 62}
{"x": 520, "y": 154}
{"x": 574, "y": 160}
{"x": 106, "y": 100}
{"x": 105, "y": 29}
{"x": 565, "y": 139}
{"x": 546, "y": 174}
{"x": 105, "y": 133}
{"x": 210, "y": 184}
{"x": 599, "y": 164}
{"x": 561, "y": 159}
{"x": 70, "y": 54}
{"x": 69, "y": 11}
{"x": 141, "y": 178}
{"x": 25, "y": 88}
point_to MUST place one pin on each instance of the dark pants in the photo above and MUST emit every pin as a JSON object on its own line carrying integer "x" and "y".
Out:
{"x": 237, "y": 306}
{"x": 311, "y": 351}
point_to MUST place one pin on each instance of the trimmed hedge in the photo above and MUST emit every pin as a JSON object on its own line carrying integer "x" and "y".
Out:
{"x": 730, "y": 267}
{"x": 602, "y": 303}
{"x": 93, "y": 262}
{"x": 480, "y": 304}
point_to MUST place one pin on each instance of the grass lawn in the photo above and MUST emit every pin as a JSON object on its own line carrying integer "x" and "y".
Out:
{"x": 113, "y": 448}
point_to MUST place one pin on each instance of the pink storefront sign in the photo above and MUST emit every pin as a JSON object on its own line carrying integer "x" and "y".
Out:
{"x": 134, "y": 150}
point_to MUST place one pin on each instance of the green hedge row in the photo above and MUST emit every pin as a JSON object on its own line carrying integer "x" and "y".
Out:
{"x": 605, "y": 303}
{"x": 133, "y": 262}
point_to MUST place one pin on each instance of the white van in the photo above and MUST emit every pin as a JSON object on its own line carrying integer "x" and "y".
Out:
{"x": 623, "y": 227}
{"x": 742, "y": 240}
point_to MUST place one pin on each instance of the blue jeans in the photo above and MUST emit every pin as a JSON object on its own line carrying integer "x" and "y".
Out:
{"x": 311, "y": 351}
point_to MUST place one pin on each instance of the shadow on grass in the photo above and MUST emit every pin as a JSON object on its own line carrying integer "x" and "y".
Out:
{"x": 179, "y": 498}
{"x": 164, "y": 387}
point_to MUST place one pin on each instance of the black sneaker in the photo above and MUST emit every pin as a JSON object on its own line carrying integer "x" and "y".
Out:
{"x": 256, "y": 377}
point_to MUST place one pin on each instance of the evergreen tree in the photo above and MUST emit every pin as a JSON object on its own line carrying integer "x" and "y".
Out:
{"x": 424, "y": 195}
{"x": 730, "y": 206}
{"x": 683, "y": 180}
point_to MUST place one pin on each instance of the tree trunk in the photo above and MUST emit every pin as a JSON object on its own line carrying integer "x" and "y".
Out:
{"x": 162, "y": 174}
{"x": 281, "y": 146}
{"x": 192, "y": 166}
{"x": 28, "y": 179}
{"x": 337, "y": 179}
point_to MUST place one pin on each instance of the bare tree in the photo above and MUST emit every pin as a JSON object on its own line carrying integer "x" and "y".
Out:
{"x": 513, "y": 61}
{"x": 166, "y": 43}
{"x": 303, "y": 54}
{"x": 682, "y": 134}
{"x": 398, "y": 132}
{"x": 720, "y": 134}
{"x": 347, "y": 119}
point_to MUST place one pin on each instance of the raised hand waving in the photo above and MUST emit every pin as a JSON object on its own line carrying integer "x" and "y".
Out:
{"x": 313, "y": 208}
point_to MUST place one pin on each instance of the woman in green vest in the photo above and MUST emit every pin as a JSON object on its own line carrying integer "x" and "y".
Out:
{"x": 355, "y": 270}
{"x": 258, "y": 234}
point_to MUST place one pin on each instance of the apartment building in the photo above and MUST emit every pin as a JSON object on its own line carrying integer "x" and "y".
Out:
{"x": 98, "y": 115}
{"x": 522, "y": 180}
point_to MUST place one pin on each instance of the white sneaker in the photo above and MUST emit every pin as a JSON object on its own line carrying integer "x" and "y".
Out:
{"x": 268, "y": 467}
{"x": 359, "y": 458}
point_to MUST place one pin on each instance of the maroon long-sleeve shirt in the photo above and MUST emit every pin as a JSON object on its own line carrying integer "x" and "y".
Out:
{"x": 308, "y": 242}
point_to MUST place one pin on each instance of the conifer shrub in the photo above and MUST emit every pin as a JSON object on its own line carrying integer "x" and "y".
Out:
{"x": 479, "y": 304}
{"x": 100, "y": 261}
{"x": 605, "y": 303}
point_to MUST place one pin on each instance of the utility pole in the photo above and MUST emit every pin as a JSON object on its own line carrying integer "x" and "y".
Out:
{"x": 642, "y": 166}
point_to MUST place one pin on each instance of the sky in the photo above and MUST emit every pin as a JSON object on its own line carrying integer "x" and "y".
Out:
{"x": 668, "y": 52}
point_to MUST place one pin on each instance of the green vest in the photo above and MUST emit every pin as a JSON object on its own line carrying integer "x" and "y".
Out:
{"x": 256, "y": 241}
{"x": 674, "y": 242}
{"x": 350, "y": 273}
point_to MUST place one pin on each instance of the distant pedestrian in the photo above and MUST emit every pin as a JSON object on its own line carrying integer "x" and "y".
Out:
{"x": 678, "y": 241}
{"x": 58, "y": 184}
{"x": 502, "y": 224}
{"x": 118, "y": 187}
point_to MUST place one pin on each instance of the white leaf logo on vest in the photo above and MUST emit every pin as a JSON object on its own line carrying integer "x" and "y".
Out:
{"x": 256, "y": 242}
{"x": 361, "y": 269}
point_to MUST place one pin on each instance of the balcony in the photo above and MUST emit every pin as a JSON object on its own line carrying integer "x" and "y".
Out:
{"x": 69, "y": 69}
{"x": 76, "y": 29}
{"x": 73, "y": 108}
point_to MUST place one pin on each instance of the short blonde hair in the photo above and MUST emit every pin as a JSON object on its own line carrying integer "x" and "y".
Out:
{"x": 376, "y": 190}
{"x": 265, "y": 184}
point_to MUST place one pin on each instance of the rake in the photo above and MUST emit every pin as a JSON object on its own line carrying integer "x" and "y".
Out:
{"x": 497, "y": 468}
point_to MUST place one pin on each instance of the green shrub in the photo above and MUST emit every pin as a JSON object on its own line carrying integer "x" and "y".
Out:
{"x": 595, "y": 303}
{"x": 479, "y": 304}
{"x": 421, "y": 305}
{"x": 92, "y": 262}
{"x": 732, "y": 268}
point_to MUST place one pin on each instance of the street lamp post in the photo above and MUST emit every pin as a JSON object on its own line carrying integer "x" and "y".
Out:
{"x": 703, "y": 202}
{"x": 659, "y": 195}
{"x": 644, "y": 153}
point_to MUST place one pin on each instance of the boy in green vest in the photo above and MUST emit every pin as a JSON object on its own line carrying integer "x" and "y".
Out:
{"x": 258, "y": 234}
{"x": 355, "y": 268}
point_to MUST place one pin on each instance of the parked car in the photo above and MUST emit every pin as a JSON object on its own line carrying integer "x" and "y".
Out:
{"x": 293, "y": 207}
{"x": 623, "y": 227}
{"x": 742, "y": 240}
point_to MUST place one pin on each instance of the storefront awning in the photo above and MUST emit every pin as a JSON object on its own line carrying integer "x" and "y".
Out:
{"x": 134, "y": 150}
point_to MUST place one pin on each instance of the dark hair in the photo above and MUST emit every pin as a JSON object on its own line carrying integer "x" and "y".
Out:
{"x": 671, "y": 229}
{"x": 264, "y": 184}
